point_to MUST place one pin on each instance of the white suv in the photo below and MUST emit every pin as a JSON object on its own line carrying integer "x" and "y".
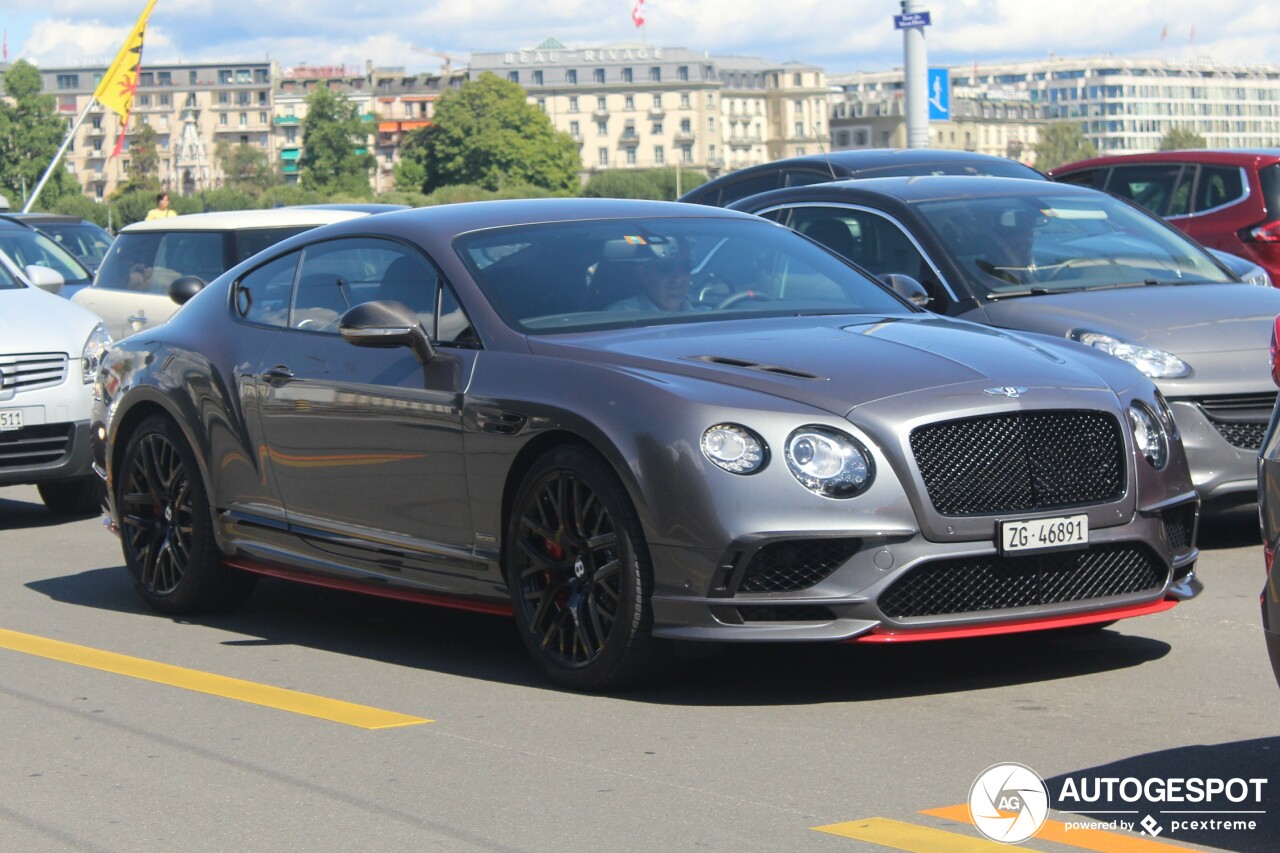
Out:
{"x": 131, "y": 289}
{"x": 49, "y": 354}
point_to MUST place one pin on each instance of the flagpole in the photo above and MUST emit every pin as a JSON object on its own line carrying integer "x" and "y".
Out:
{"x": 57, "y": 157}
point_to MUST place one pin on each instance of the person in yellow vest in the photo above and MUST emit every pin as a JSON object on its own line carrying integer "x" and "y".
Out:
{"x": 162, "y": 209}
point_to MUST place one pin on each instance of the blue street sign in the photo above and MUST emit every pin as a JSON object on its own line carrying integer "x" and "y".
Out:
{"x": 939, "y": 86}
{"x": 911, "y": 20}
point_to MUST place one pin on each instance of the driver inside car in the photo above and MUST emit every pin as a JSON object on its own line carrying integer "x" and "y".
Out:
{"x": 664, "y": 286}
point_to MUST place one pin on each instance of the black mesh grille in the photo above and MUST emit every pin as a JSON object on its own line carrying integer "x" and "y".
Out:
{"x": 974, "y": 584}
{"x": 795, "y": 564}
{"x": 1179, "y": 525}
{"x": 1241, "y": 419}
{"x": 34, "y": 445}
{"x": 1020, "y": 462}
{"x": 1243, "y": 436}
{"x": 785, "y": 613}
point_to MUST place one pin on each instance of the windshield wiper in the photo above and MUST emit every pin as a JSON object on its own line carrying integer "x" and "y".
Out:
{"x": 995, "y": 296}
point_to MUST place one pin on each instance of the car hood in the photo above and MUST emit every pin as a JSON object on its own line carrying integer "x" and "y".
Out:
{"x": 33, "y": 320}
{"x": 837, "y": 364}
{"x": 1181, "y": 319}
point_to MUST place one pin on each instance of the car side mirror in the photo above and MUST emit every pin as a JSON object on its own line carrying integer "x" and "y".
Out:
{"x": 908, "y": 288}
{"x": 44, "y": 278}
{"x": 182, "y": 288}
{"x": 386, "y": 324}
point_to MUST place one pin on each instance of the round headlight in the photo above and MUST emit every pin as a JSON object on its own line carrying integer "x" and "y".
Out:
{"x": 734, "y": 448}
{"x": 94, "y": 349}
{"x": 828, "y": 462}
{"x": 1149, "y": 434}
{"x": 1154, "y": 363}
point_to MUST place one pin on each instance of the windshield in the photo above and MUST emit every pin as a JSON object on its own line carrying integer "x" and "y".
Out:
{"x": 1015, "y": 245}
{"x": 570, "y": 276}
{"x": 7, "y": 280}
{"x": 26, "y": 247}
{"x": 85, "y": 240}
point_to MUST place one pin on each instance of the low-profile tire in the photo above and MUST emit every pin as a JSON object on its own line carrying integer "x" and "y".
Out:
{"x": 166, "y": 528}
{"x": 79, "y": 496}
{"x": 579, "y": 574}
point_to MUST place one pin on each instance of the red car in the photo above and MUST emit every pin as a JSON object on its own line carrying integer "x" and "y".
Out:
{"x": 1226, "y": 199}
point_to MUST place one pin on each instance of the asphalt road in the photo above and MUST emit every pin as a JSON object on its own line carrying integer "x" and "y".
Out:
{"x": 746, "y": 748}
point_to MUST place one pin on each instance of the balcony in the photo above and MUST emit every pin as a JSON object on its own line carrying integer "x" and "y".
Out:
{"x": 685, "y": 136}
{"x": 656, "y": 112}
{"x": 629, "y": 140}
{"x": 286, "y": 120}
{"x": 599, "y": 113}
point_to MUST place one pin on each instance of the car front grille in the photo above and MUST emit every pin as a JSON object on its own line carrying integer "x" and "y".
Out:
{"x": 1241, "y": 420}
{"x": 976, "y": 584}
{"x": 1021, "y": 462}
{"x": 28, "y": 372}
{"x": 35, "y": 445}
{"x": 795, "y": 564}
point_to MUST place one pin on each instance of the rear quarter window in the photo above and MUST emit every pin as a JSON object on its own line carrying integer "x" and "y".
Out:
{"x": 1218, "y": 186}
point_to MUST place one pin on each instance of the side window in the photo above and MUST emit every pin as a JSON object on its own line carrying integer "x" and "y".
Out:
{"x": 1219, "y": 185}
{"x": 749, "y": 187}
{"x": 804, "y": 179}
{"x": 262, "y": 295}
{"x": 1096, "y": 178}
{"x": 338, "y": 274}
{"x": 1151, "y": 186}
{"x": 871, "y": 241}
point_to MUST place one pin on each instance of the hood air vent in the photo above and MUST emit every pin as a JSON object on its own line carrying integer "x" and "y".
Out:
{"x": 755, "y": 365}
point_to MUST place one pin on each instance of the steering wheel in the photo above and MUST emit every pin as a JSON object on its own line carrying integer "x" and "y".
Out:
{"x": 743, "y": 296}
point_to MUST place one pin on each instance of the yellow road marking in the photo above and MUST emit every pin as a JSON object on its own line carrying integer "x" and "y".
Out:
{"x": 203, "y": 682}
{"x": 910, "y": 837}
{"x": 1086, "y": 839}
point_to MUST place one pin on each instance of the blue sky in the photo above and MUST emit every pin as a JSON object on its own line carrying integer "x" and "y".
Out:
{"x": 853, "y": 35}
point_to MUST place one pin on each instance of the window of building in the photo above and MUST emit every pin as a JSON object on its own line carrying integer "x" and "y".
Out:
{"x": 243, "y": 75}
{"x": 573, "y": 104}
{"x": 659, "y": 155}
{"x": 262, "y": 118}
{"x": 291, "y": 135}
{"x": 657, "y": 128}
{"x": 574, "y": 129}
{"x": 629, "y": 102}
{"x": 224, "y": 76}
{"x": 602, "y": 156}
{"x": 224, "y": 97}
{"x": 244, "y": 119}
{"x": 146, "y": 78}
{"x": 602, "y": 104}
{"x": 261, "y": 75}
{"x": 144, "y": 100}
{"x": 537, "y": 77}
{"x": 571, "y": 76}
{"x": 686, "y": 125}
{"x": 631, "y": 156}
{"x": 222, "y": 119}
{"x": 602, "y": 127}
{"x": 629, "y": 130}
{"x": 655, "y": 74}
{"x": 191, "y": 77}
{"x": 598, "y": 75}
{"x": 797, "y": 79}
{"x": 657, "y": 102}
{"x": 684, "y": 101}
{"x": 686, "y": 153}
{"x": 164, "y": 99}
{"x": 68, "y": 81}
{"x": 627, "y": 76}
{"x": 799, "y": 128}
{"x": 542, "y": 104}
{"x": 711, "y": 124}
{"x": 513, "y": 76}
{"x": 682, "y": 73}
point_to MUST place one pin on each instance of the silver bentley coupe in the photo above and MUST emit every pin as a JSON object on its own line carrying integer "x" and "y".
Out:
{"x": 630, "y": 423}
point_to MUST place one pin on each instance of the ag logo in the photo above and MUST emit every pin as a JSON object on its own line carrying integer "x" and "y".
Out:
{"x": 1008, "y": 803}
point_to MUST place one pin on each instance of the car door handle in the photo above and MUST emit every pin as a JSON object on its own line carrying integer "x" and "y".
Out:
{"x": 137, "y": 318}
{"x": 278, "y": 376}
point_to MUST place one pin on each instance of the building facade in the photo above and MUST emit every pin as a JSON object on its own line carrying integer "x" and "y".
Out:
{"x": 643, "y": 106}
{"x": 1121, "y": 105}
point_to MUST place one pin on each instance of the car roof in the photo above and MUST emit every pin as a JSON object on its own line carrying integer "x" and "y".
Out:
{"x": 1232, "y": 157}
{"x": 37, "y": 218}
{"x": 917, "y": 188}
{"x": 235, "y": 220}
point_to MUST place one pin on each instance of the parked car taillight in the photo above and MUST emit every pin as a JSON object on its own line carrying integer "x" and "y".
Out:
{"x": 1267, "y": 232}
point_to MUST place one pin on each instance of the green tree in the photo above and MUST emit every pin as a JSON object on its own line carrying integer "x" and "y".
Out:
{"x": 334, "y": 145}
{"x": 144, "y": 158}
{"x": 1180, "y": 138}
{"x": 31, "y": 130}
{"x": 245, "y": 167}
{"x": 486, "y": 133}
{"x": 1062, "y": 142}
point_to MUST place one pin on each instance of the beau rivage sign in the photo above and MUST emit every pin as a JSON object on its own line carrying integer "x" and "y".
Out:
{"x": 602, "y": 54}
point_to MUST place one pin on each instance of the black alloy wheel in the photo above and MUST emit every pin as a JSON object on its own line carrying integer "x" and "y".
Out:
{"x": 166, "y": 529}
{"x": 579, "y": 575}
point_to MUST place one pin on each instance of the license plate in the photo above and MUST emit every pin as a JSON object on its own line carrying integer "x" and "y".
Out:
{"x": 1043, "y": 534}
{"x": 10, "y": 419}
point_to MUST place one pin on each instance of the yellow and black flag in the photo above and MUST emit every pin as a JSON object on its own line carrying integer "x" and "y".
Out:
{"x": 115, "y": 92}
